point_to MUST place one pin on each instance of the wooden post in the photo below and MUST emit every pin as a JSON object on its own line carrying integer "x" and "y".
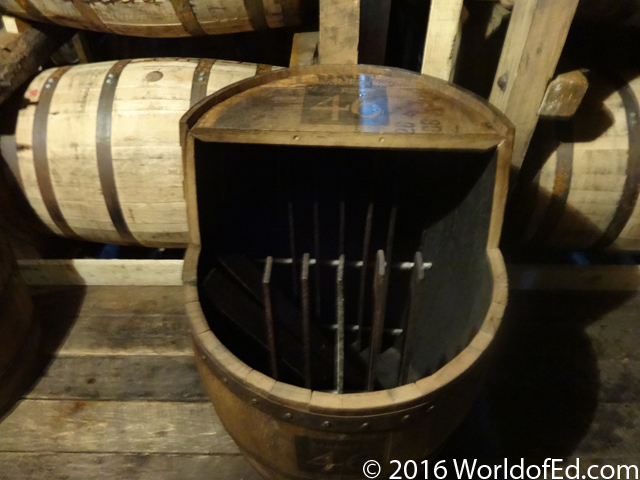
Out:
{"x": 374, "y": 29}
{"x": 339, "y": 31}
{"x": 21, "y": 58}
{"x": 535, "y": 39}
{"x": 564, "y": 95}
{"x": 443, "y": 39}
{"x": 304, "y": 50}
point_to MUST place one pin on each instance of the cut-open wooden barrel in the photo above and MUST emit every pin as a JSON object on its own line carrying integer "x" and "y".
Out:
{"x": 580, "y": 182}
{"x": 97, "y": 149}
{"x": 19, "y": 331}
{"x": 160, "y": 18}
{"x": 343, "y": 161}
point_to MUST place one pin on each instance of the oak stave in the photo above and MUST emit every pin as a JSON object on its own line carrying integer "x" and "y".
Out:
{"x": 160, "y": 18}
{"x": 98, "y": 153}
{"x": 582, "y": 177}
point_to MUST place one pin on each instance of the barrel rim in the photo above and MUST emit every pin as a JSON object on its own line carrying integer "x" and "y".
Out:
{"x": 397, "y": 404}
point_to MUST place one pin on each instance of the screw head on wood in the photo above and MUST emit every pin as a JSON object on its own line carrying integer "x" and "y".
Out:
{"x": 254, "y": 401}
{"x": 406, "y": 418}
{"x": 326, "y": 424}
{"x": 287, "y": 416}
{"x": 364, "y": 426}
{"x": 502, "y": 81}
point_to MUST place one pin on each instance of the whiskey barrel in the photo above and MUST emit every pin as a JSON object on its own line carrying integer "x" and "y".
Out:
{"x": 19, "y": 332}
{"x": 160, "y": 18}
{"x": 287, "y": 432}
{"x": 97, "y": 149}
{"x": 580, "y": 181}
{"x": 243, "y": 144}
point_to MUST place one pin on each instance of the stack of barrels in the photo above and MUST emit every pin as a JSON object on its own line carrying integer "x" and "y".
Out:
{"x": 160, "y": 18}
{"x": 97, "y": 149}
{"x": 19, "y": 331}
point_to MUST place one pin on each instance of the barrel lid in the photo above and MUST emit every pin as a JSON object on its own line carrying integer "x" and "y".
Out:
{"x": 348, "y": 106}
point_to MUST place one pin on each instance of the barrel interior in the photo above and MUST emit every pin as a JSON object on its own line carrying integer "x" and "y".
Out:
{"x": 366, "y": 242}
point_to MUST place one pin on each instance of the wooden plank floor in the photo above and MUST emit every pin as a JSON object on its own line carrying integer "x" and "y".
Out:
{"x": 119, "y": 396}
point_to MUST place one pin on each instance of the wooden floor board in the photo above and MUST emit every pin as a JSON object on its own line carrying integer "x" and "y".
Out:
{"x": 110, "y": 427}
{"x": 120, "y": 397}
{"x": 106, "y": 466}
{"x": 124, "y": 378}
{"x": 129, "y": 334}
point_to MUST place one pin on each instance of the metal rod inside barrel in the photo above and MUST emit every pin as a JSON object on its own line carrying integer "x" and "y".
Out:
{"x": 316, "y": 248}
{"x": 341, "y": 232}
{"x": 340, "y": 326}
{"x": 306, "y": 321}
{"x": 292, "y": 246}
{"x": 391, "y": 234}
{"x": 379, "y": 306}
{"x": 363, "y": 272}
{"x": 268, "y": 317}
{"x": 417, "y": 277}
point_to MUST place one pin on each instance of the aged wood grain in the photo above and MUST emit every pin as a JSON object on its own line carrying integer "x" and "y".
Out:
{"x": 564, "y": 95}
{"x": 535, "y": 38}
{"x": 88, "y": 271}
{"x": 122, "y": 378}
{"x": 107, "y": 427}
{"x": 304, "y": 50}
{"x": 443, "y": 39}
{"x": 108, "y": 466}
{"x": 21, "y": 58}
{"x": 111, "y": 300}
{"x": 127, "y": 334}
{"x": 339, "y": 31}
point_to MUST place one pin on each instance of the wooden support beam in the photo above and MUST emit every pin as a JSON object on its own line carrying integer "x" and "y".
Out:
{"x": 304, "y": 50}
{"x": 22, "y": 58}
{"x": 374, "y": 28}
{"x": 535, "y": 39}
{"x": 564, "y": 95}
{"x": 339, "y": 31}
{"x": 443, "y": 39}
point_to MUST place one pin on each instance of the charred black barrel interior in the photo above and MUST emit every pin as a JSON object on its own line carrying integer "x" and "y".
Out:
{"x": 344, "y": 269}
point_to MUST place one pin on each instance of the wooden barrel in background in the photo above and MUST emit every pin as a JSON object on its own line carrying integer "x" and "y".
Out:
{"x": 97, "y": 147}
{"x": 581, "y": 178}
{"x": 160, "y": 18}
{"x": 19, "y": 332}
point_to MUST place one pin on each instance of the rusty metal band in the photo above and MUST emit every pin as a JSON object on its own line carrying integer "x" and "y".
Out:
{"x": 263, "y": 69}
{"x": 255, "y": 11}
{"x": 560, "y": 194}
{"x": 103, "y": 151}
{"x": 40, "y": 160}
{"x": 184, "y": 12}
{"x": 88, "y": 13}
{"x": 32, "y": 10}
{"x": 317, "y": 421}
{"x": 629, "y": 197}
{"x": 200, "y": 80}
